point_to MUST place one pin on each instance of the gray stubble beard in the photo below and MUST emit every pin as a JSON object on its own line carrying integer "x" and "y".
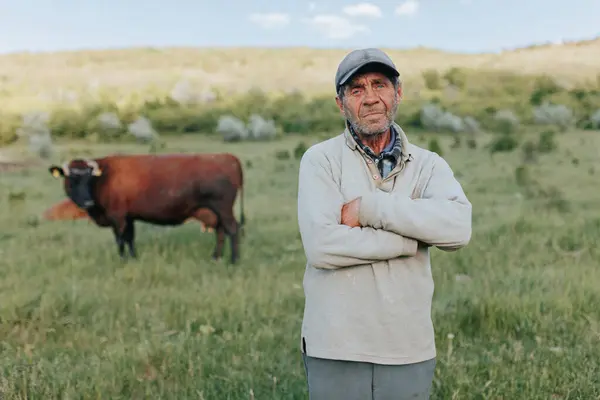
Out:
{"x": 363, "y": 129}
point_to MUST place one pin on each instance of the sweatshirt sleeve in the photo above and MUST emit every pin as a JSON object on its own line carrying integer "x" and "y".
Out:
{"x": 328, "y": 244}
{"x": 441, "y": 217}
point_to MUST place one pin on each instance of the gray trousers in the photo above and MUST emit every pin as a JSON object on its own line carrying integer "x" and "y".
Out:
{"x": 346, "y": 380}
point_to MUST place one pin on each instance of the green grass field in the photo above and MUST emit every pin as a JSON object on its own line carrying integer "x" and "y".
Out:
{"x": 517, "y": 312}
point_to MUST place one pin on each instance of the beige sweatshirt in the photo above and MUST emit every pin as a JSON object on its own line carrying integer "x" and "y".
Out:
{"x": 369, "y": 289}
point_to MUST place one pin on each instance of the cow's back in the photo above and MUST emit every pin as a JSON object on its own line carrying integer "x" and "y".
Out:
{"x": 163, "y": 188}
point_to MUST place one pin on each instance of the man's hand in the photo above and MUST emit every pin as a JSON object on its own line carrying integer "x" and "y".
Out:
{"x": 350, "y": 213}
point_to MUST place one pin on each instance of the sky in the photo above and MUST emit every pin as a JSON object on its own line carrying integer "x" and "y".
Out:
{"x": 454, "y": 25}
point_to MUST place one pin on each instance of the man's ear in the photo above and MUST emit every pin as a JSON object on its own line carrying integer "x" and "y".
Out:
{"x": 56, "y": 172}
{"x": 340, "y": 104}
{"x": 400, "y": 92}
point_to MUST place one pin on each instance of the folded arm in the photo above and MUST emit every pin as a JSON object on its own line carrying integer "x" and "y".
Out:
{"x": 441, "y": 217}
{"x": 327, "y": 243}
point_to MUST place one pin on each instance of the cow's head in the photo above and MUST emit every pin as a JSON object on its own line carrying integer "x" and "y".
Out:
{"x": 78, "y": 176}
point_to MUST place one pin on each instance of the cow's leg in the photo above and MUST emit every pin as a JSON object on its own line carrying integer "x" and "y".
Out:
{"x": 129, "y": 237}
{"x": 222, "y": 212}
{"x": 120, "y": 241}
{"x": 118, "y": 226}
{"x": 226, "y": 225}
{"x": 220, "y": 235}
{"x": 231, "y": 227}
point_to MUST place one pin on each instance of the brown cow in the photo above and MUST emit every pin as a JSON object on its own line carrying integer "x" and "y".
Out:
{"x": 67, "y": 210}
{"x": 163, "y": 190}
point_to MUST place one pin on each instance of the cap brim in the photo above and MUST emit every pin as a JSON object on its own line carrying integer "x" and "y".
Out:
{"x": 353, "y": 71}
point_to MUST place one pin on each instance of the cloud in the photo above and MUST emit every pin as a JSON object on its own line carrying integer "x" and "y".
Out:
{"x": 363, "y": 10}
{"x": 408, "y": 8}
{"x": 312, "y": 6}
{"x": 270, "y": 20}
{"x": 336, "y": 27}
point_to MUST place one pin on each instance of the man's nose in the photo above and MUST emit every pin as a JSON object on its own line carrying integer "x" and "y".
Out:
{"x": 370, "y": 97}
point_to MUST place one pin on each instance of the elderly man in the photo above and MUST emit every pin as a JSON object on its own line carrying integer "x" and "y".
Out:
{"x": 370, "y": 205}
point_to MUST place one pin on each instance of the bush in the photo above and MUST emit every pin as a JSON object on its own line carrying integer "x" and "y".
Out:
{"x": 544, "y": 87}
{"x": 289, "y": 113}
{"x": 41, "y": 145}
{"x": 233, "y": 129}
{"x": 109, "y": 121}
{"x": 503, "y": 144}
{"x": 142, "y": 129}
{"x": 432, "y": 79}
{"x": 553, "y": 114}
{"x": 595, "y": 119}
{"x": 484, "y": 101}
{"x": 175, "y": 119}
{"x": 282, "y": 155}
{"x": 529, "y": 149}
{"x": 299, "y": 150}
{"x": 506, "y": 122}
{"x": 547, "y": 142}
{"x": 261, "y": 129}
{"x": 35, "y": 131}
{"x": 108, "y": 125}
{"x": 9, "y": 124}
{"x": 435, "y": 119}
{"x": 456, "y": 77}
{"x": 522, "y": 176}
{"x": 435, "y": 146}
{"x": 471, "y": 125}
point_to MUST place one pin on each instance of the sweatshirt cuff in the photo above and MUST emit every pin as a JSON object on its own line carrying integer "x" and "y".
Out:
{"x": 368, "y": 212}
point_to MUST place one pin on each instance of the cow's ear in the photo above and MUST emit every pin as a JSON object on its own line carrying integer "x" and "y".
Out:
{"x": 56, "y": 172}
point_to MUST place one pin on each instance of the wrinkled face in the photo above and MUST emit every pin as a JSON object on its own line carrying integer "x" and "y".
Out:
{"x": 370, "y": 102}
{"x": 78, "y": 178}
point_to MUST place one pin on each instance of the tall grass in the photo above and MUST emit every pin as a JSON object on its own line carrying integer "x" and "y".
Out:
{"x": 516, "y": 312}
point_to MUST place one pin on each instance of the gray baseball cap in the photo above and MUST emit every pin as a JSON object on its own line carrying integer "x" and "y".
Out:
{"x": 357, "y": 59}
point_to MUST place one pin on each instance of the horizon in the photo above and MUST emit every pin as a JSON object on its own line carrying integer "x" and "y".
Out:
{"x": 291, "y": 47}
{"x": 455, "y": 26}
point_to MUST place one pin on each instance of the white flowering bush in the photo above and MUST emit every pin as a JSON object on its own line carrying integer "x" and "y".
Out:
{"x": 142, "y": 129}
{"x": 108, "y": 124}
{"x": 260, "y": 128}
{"x": 231, "y": 128}
{"x": 471, "y": 125}
{"x": 553, "y": 114}
{"x": 436, "y": 119}
{"x": 34, "y": 129}
{"x": 234, "y": 129}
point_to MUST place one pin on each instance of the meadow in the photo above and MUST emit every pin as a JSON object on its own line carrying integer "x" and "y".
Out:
{"x": 515, "y": 312}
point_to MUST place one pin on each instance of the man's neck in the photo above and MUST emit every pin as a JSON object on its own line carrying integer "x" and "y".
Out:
{"x": 376, "y": 142}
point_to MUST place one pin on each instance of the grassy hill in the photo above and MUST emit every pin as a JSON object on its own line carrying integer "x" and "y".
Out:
{"x": 292, "y": 86}
{"x": 29, "y": 76}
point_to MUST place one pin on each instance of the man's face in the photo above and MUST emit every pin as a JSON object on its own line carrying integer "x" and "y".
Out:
{"x": 370, "y": 103}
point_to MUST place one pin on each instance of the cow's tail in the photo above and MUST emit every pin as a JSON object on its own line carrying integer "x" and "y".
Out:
{"x": 242, "y": 215}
